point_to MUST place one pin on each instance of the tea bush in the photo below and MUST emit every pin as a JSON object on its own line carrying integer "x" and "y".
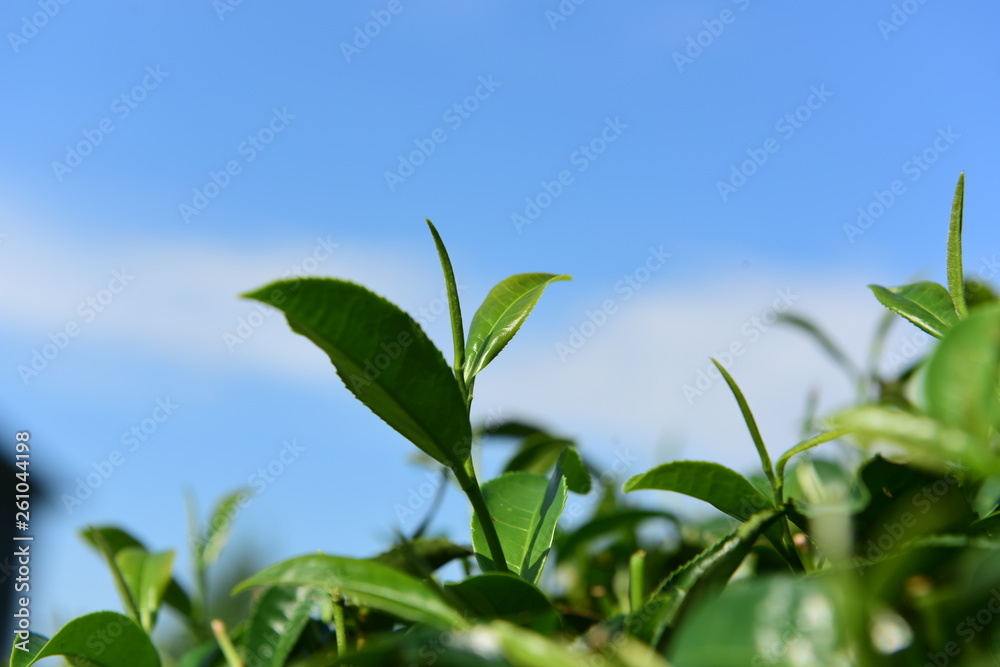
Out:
{"x": 889, "y": 560}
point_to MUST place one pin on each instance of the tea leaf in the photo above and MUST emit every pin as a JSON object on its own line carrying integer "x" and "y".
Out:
{"x": 926, "y": 304}
{"x": 525, "y": 508}
{"x": 496, "y": 595}
{"x": 105, "y": 638}
{"x": 365, "y": 582}
{"x": 721, "y": 487}
{"x": 147, "y": 576}
{"x": 963, "y": 372}
{"x": 275, "y": 623}
{"x": 384, "y": 358}
{"x": 501, "y": 315}
{"x": 956, "y": 278}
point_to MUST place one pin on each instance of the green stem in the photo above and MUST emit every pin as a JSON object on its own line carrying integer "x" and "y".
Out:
{"x": 466, "y": 476}
{"x": 339, "y": 625}
{"x": 226, "y": 644}
{"x": 636, "y": 580}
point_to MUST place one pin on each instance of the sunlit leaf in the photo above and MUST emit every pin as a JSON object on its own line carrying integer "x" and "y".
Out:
{"x": 366, "y": 582}
{"x": 525, "y": 508}
{"x": 501, "y": 315}
{"x": 926, "y": 304}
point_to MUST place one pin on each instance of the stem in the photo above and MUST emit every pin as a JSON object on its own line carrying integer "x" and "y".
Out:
{"x": 226, "y": 644}
{"x": 467, "y": 480}
{"x": 636, "y": 580}
{"x": 339, "y": 625}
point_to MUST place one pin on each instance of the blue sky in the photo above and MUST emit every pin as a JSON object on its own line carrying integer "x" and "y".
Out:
{"x": 694, "y": 165}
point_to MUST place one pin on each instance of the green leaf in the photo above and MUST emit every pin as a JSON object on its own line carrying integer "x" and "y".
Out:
{"x": 277, "y": 619}
{"x": 525, "y": 508}
{"x": 622, "y": 520}
{"x": 365, "y": 582}
{"x": 434, "y": 553}
{"x": 538, "y": 453}
{"x": 220, "y": 525}
{"x": 956, "y": 278}
{"x": 929, "y": 442}
{"x": 501, "y": 315}
{"x": 454, "y": 307}
{"x": 575, "y": 471}
{"x": 105, "y": 638}
{"x": 771, "y": 621}
{"x": 384, "y": 358}
{"x": 147, "y": 576}
{"x": 698, "y": 579}
{"x": 496, "y": 595}
{"x": 117, "y": 539}
{"x": 765, "y": 459}
{"x": 23, "y": 651}
{"x": 926, "y": 304}
{"x": 721, "y": 487}
{"x": 963, "y": 373}
{"x": 121, "y": 585}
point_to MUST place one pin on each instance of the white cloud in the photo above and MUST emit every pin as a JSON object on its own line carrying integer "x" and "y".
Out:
{"x": 623, "y": 387}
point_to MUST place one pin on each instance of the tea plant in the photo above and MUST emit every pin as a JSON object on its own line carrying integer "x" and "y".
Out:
{"x": 892, "y": 560}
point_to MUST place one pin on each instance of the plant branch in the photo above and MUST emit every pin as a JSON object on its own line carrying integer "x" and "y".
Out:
{"x": 471, "y": 488}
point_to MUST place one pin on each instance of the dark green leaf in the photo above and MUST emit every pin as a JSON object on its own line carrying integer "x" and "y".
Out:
{"x": 434, "y": 553}
{"x": 384, "y": 358}
{"x": 537, "y": 454}
{"x": 495, "y": 595}
{"x": 926, "y": 304}
{"x": 364, "y": 581}
{"x": 620, "y": 521}
{"x": 501, "y": 315}
{"x": 525, "y": 508}
{"x": 276, "y": 621}
{"x": 106, "y": 639}
{"x": 698, "y": 579}
{"x": 721, "y": 487}
{"x": 575, "y": 470}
